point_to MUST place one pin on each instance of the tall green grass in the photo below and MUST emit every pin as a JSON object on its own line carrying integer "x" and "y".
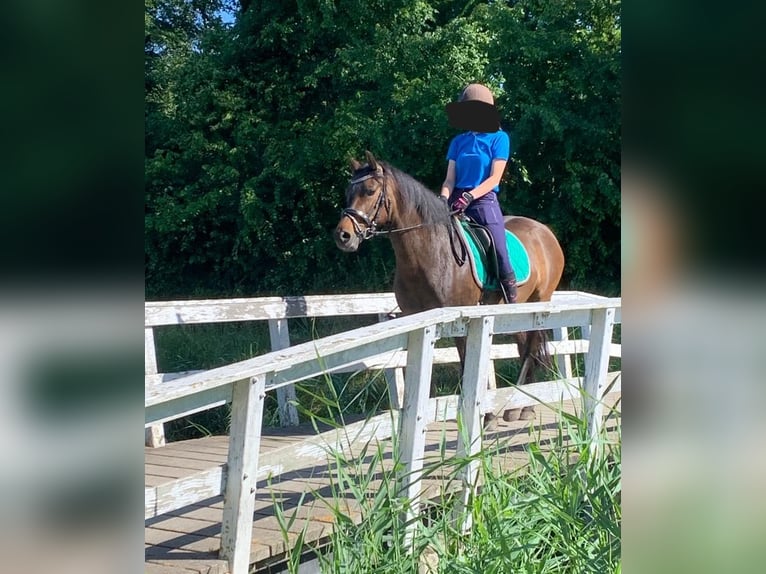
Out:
{"x": 559, "y": 512}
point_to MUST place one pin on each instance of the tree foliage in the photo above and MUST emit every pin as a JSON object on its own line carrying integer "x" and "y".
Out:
{"x": 562, "y": 91}
{"x": 250, "y": 125}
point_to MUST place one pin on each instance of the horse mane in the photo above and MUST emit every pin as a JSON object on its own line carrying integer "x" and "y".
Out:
{"x": 417, "y": 197}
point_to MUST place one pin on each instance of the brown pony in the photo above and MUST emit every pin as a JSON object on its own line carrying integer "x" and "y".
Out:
{"x": 382, "y": 200}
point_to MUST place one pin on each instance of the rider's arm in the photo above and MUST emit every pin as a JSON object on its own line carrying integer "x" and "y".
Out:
{"x": 449, "y": 180}
{"x": 495, "y": 175}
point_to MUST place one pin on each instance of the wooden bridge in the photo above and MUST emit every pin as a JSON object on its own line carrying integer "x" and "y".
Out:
{"x": 209, "y": 503}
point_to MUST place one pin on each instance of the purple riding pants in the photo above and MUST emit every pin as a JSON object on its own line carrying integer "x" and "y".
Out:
{"x": 486, "y": 211}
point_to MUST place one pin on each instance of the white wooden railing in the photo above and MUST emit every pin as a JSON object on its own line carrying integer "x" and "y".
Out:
{"x": 403, "y": 342}
{"x": 275, "y": 310}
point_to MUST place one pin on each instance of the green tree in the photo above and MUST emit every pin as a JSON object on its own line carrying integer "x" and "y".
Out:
{"x": 560, "y": 65}
{"x": 193, "y": 169}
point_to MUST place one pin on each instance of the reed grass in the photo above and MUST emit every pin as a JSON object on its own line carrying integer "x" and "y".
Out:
{"x": 558, "y": 512}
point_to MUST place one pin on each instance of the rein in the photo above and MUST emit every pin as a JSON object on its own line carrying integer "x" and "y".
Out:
{"x": 459, "y": 258}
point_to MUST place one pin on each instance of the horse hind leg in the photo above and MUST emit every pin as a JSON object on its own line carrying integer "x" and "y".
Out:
{"x": 533, "y": 351}
{"x": 537, "y": 356}
{"x": 510, "y": 415}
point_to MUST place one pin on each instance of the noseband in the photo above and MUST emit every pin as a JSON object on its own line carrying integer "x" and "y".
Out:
{"x": 356, "y": 216}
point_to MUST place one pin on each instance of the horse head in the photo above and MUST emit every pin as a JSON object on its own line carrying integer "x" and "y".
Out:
{"x": 368, "y": 204}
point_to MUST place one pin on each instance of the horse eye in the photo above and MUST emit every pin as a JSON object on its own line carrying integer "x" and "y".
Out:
{"x": 369, "y": 191}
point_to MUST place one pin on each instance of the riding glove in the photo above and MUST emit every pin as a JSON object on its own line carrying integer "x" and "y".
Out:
{"x": 462, "y": 202}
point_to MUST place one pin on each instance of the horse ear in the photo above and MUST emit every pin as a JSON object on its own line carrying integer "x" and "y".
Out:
{"x": 355, "y": 165}
{"x": 371, "y": 160}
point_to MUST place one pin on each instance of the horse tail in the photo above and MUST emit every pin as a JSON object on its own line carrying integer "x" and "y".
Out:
{"x": 541, "y": 354}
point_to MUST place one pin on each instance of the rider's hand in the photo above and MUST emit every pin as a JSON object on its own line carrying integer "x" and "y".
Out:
{"x": 462, "y": 202}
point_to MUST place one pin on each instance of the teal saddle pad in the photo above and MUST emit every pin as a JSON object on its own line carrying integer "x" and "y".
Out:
{"x": 517, "y": 251}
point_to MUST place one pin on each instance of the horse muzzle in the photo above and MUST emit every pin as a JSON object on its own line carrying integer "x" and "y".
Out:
{"x": 346, "y": 240}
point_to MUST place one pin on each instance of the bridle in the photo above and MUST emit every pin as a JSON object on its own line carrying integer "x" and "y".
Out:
{"x": 356, "y": 216}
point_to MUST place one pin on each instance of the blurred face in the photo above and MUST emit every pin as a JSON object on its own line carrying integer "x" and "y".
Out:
{"x": 473, "y": 116}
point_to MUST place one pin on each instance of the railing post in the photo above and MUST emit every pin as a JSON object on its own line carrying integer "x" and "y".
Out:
{"x": 394, "y": 378}
{"x": 239, "y": 498}
{"x": 564, "y": 360}
{"x": 154, "y": 435}
{"x": 475, "y": 373}
{"x": 413, "y": 420}
{"x": 596, "y": 366}
{"x": 280, "y": 339}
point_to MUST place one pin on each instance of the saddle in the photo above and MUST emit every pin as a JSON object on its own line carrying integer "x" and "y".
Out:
{"x": 483, "y": 246}
{"x": 481, "y": 252}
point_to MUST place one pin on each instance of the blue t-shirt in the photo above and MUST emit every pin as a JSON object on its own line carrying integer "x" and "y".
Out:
{"x": 473, "y": 153}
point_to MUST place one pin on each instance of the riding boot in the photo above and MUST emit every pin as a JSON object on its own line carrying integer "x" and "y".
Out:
{"x": 508, "y": 286}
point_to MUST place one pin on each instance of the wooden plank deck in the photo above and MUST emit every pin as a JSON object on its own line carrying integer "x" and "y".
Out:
{"x": 187, "y": 540}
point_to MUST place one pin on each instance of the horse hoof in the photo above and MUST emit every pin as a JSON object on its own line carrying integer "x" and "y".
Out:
{"x": 527, "y": 414}
{"x": 490, "y": 422}
{"x": 511, "y": 415}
